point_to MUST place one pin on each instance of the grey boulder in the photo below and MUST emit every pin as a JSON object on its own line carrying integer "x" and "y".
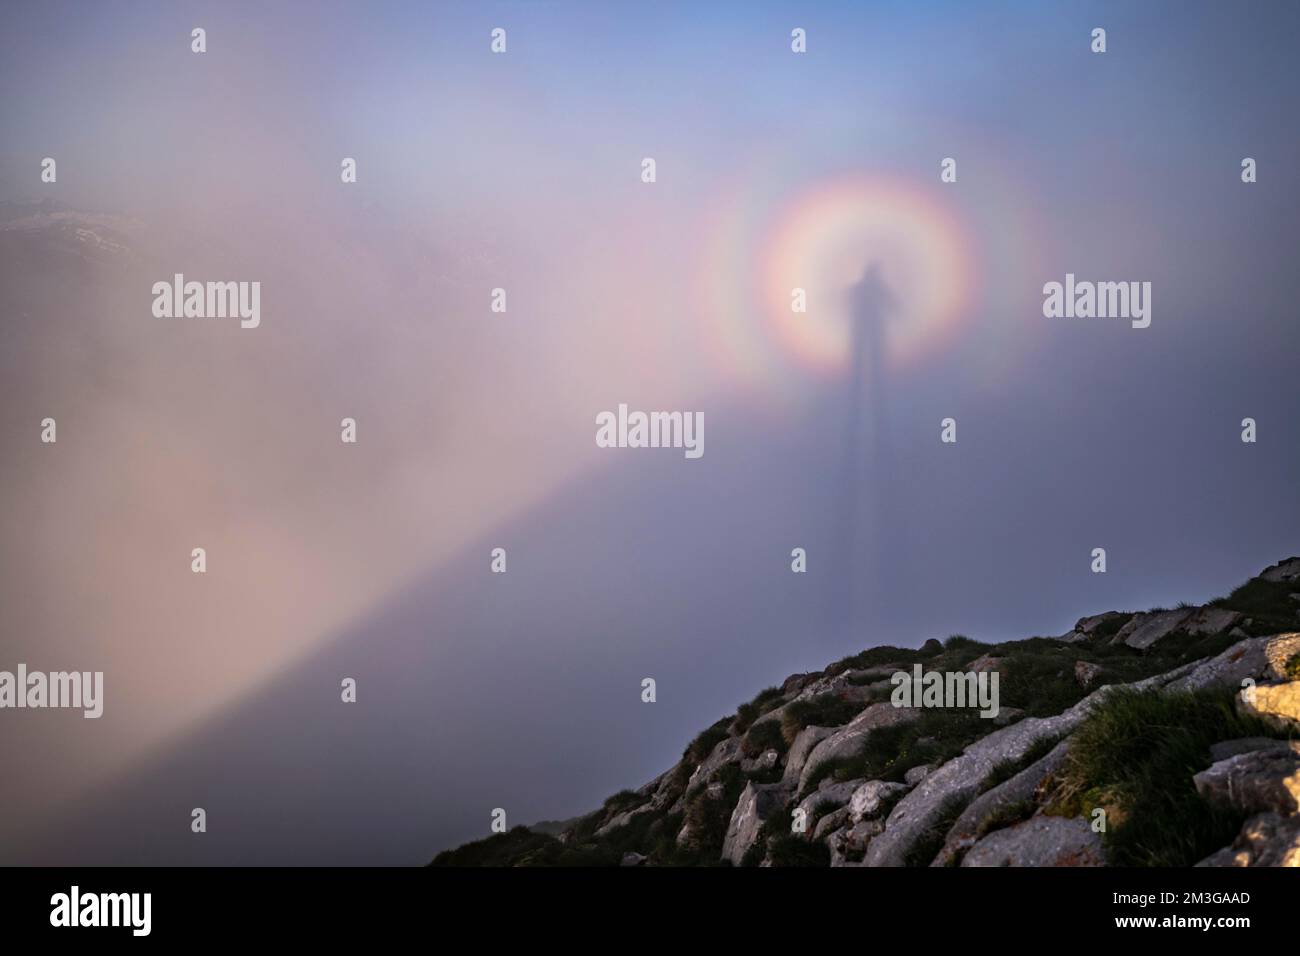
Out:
{"x": 1257, "y": 781}
{"x": 757, "y": 804}
{"x": 1265, "y": 840}
{"x": 1039, "y": 841}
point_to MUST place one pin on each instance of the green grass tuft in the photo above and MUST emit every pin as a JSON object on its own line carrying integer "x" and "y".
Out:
{"x": 1292, "y": 667}
{"x": 1267, "y": 603}
{"x": 824, "y": 710}
{"x": 763, "y": 737}
{"x": 765, "y": 700}
{"x": 889, "y": 752}
{"x": 786, "y": 849}
{"x": 1004, "y": 770}
{"x": 875, "y": 657}
{"x": 623, "y": 800}
{"x": 1135, "y": 755}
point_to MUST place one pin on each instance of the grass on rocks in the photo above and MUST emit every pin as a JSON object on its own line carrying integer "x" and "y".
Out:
{"x": 1004, "y": 770}
{"x": 1134, "y": 756}
{"x": 746, "y": 714}
{"x": 786, "y": 849}
{"x": 927, "y": 846}
{"x": 1267, "y": 603}
{"x": 763, "y": 737}
{"x": 824, "y": 710}
{"x": 889, "y": 752}
{"x": 1292, "y": 667}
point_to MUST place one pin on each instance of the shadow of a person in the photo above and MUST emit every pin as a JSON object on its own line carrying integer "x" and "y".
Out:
{"x": 866, "y": 539}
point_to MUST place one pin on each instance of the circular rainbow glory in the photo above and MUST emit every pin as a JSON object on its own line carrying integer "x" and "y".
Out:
{"x": 820, "y": 241}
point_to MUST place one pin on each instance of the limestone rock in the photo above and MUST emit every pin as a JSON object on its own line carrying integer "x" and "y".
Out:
{"x": 684, "y": 836}
{"x": 1146, "y": 628}
{"x": 869, "y": 799}
{"x": 804, "y": 742}
{"x": 975, "y": 821}
{"x": 958, "y": 780}
{"x": 1275, "y": 704}
{"x": 1086, "y": 673}
{"x": 838, "y": 684}
{"x": 849, "y": 843}
{"x": 1205, "y": 621}
{"x": 1258, "y": 781}
{"x": 1258, "y": 658}
{"x": 837, "y": 855}
{"x": 848, "y": 740}
{"x": 831, "y": 822}
{"x": 1240, "y": 745}
{"x": 1280, "y": 649}
{"x": 828, "y": 794}
{"x": 724, "y": 752}
{"x": 764, "y": 761}
{"x": 1265, "y": 840}
{"x": 1288, "y": 570}
{"x": 632, "y": 858}
{"x": 915, "y": 775}
{"x": 817, "y": 685}
{"x": 1039, "y": 841}
{"x": 1244, "y": 659}
{"x": 651, "y": 788}
{"x": 757, "y": 803}
{"x": 795, "y": 682}
{"x": 662, "y": 788}
{"x": 622, "y": 819}
{"x": 1087, "y": 626}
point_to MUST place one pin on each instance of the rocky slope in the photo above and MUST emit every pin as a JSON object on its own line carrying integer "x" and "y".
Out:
{"x": 1165, "y": 737}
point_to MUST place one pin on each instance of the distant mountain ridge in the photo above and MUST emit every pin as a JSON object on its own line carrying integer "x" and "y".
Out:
{"x": 1164, "y": 737}
{"x": 99, "y": 237}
